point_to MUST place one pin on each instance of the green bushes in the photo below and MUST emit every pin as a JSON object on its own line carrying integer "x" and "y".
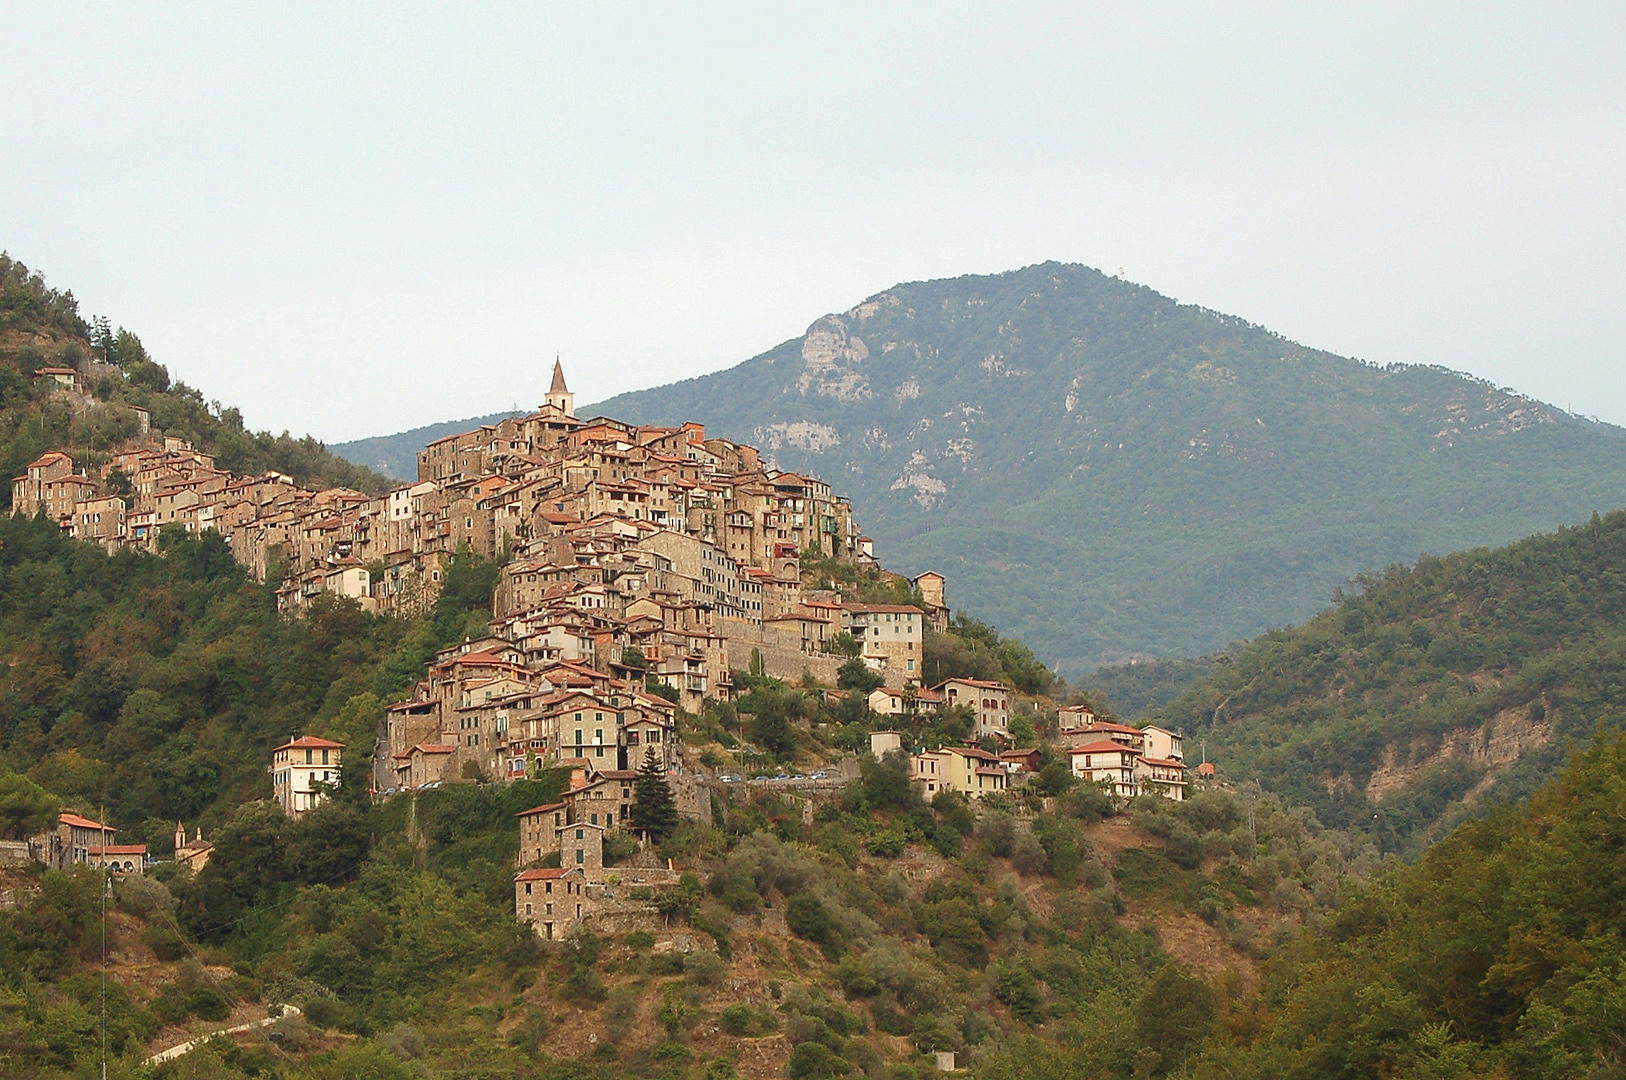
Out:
{"x": 808, "y": 918}
{"x": 744, "y": 1020}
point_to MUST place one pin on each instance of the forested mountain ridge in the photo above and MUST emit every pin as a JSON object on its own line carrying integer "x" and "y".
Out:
{"x": 1431, "y": 689}
{"x": 1106, "y": 472}
{"x": 41, "y": 326}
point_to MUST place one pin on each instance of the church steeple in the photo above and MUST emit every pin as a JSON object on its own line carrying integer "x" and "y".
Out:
{"x": 559, "y": 395}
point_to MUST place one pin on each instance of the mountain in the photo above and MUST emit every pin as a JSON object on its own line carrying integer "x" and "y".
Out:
{"x": 397, "y": 455}
{"x": 1108, "y": 473}
{"x": 1432, "y": 690}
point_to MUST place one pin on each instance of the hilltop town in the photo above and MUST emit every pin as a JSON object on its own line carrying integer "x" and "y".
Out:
{"x": 639, "y": 569}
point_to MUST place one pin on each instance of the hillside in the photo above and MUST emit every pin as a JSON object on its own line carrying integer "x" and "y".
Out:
{"x": 1431, "y": 689}
{"x": 854, "y": 942}
{"x": 1108, "y": 473}
{"x": 41, "y": 326}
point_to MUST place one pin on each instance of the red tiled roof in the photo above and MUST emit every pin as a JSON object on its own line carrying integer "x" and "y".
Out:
{"x": 84, "y": 823}
{"x": 309, "y": 742}
{"x": 972, "y": 752}
{"x": 1106, "y": 725}
{"x": 1165, "y": 762}
{"x": 1105, "y": 746}
{"x": 551, "y": 874}
{"x": 119, "y": 849}
{"x": 541, "y": 809}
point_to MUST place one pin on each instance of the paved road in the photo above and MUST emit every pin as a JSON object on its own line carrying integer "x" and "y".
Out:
{"x": 176, "y": 1051}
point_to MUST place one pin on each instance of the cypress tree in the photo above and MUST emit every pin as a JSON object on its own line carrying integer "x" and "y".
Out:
{"x": 654, "y": 810}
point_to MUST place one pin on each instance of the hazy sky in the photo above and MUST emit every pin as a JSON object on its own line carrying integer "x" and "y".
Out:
{"x": 353, "y": 219}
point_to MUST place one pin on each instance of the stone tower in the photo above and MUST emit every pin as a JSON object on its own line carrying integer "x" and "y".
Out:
{"x": 559, "y": 395}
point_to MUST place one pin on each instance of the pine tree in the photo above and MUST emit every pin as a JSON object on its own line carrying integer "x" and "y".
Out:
{"x": 654, "y": 811}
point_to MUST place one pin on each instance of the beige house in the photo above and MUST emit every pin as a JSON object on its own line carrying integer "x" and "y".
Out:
{"x": 99, "y": 519}
{"x": 1162, "y": 776}
{"x": 551, "y": 901}
{"x": 904, "y": 702}
{"x": 1159, "y": 742}
{"x": 966, "y": 769}
{"x": 882, "y": 743}
{"x": 1127, "y": 769}
{"x": 1110, "y": 763}
{"x": 423, "y": 763}
{"x": 989, "y": 702}
{"x": 72, "y": 840}
{"x": 118, "y": 858}
{"x": 299, "y": 770}
{"x": 890, "y": 639}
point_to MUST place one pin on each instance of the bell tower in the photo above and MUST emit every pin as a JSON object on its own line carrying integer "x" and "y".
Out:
{"x": 559, "y": 395}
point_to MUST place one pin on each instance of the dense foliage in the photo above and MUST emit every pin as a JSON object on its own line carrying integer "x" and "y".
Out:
{"x": 1518, "y": 651}
{"x": 1501, "y": 952}
{"x": 155, "y": 685}
{"x": 1106, "y": 473}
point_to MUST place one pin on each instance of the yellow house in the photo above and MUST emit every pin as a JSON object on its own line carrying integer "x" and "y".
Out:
{"x": 966, "y": 769}
{"x": 299, "y": 768}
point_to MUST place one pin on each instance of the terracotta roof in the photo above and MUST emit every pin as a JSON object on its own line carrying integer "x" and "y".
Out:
{"x": 985, "y": 684}
{"x": 1166, "y": 762}
{"x": 430, "y": 748}
{"x": 552, "y": 874}
{"x": 84, "y": 823}
{"x": 309, "y": 742}
{"x": 119, "y": 849}
{"x": 1105, "y": 746}
{"x": 1106, "y": 725}
{"x": 541, "y": 809}
{"x": 972, "y": 752}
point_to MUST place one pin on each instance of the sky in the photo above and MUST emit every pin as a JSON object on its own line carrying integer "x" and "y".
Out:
{"x": 353, "y": 219}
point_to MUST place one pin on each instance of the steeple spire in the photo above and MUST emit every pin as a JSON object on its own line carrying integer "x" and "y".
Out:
{"x": 559, "y": 395}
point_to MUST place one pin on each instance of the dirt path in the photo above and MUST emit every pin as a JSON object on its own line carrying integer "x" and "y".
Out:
{"x": 176, "y": 1051}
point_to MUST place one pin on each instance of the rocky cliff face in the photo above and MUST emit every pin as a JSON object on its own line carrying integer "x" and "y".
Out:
{"x": 1109, "y": 473}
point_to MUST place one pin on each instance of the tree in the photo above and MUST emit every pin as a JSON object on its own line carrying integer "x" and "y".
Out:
{"x": 654, "y": 810}
{"x": 25, "y": 807}
{"x": 842, "y": 644}
{"x": 856, "y": 675}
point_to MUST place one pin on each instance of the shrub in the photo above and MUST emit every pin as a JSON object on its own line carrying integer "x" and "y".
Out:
{"x": 1017, "y": 988}
{"x": 815, "y": 1061}
{"x": 888, "y": 844}
{"x": 808, "y": 918}
{"x": 704, "y": 968}
{"x": 165, "y": 943}
{"x": 999, "y": 830}
{"x": 743, "y": 1019}
{"x": 1029, "y": 856}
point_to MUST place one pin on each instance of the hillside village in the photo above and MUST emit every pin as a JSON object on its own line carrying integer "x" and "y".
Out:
{"x": 641, "y": 568}
{"x": 504, "y": 775}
